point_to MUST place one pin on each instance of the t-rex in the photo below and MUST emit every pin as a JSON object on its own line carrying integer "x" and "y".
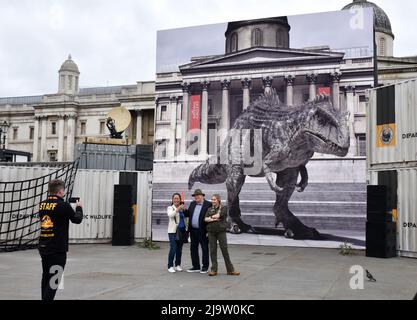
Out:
{"x": 290, "y": 137}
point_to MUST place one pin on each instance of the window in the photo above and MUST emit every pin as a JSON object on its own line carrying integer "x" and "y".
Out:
{"x": 53, "y": 128}
{"x": 164, "y": 112}
{"x": 52, "y": 156}
{"x": 361, "y": 141}
{"x": 161, "y": 149}
{"x": 83, "y": 127}
{"x": 177, "y": 147}
{"x": 211, "y": 140}
{"x": 70, "y": 82}
{"x": 281, "y": 39}
{"x": 31, "y": 133}
{"x": 362, "y": 98}
{"x": 102, "y": 127}
{"x": 257, "y": 37}
{"x": 210, "y": 107}
{"x": 15, "y": 133}
{"x": 233, "y": 43}
{"x": 382, "y": 45}
{"x": 62, "y": 79}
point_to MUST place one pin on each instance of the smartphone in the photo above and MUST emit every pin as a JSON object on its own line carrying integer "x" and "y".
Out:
{"x": 74, "y": 200}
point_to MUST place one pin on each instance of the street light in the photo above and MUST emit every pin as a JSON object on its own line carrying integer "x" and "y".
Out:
{"x": 4, "y": 127}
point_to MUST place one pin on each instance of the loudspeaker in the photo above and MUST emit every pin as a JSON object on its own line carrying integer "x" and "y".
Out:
{"x": 376, "y": 199}
{"x": 377, "y": 204}
{"x": 144, "y": 157}
{"x": 123, "y": 226}
{"x": 381, "y": 239}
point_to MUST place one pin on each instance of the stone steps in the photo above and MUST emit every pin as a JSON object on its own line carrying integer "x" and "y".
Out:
{"x": 335, "y": 206}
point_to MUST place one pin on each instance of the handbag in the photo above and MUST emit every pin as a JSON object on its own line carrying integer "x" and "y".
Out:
{"x": 181, "y": 234}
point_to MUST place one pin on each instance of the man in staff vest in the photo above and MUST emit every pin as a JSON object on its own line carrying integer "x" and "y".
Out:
{"x": 55, "y": 214}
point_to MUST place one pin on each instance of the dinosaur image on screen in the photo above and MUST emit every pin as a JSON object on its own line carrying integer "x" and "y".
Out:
{"x": 291, "y": 135}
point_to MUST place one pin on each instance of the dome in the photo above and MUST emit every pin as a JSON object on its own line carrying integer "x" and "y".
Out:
{"x": 232, "y": 26}
{"x": 382, "y": 22}
{"x": 268, "y": 32}
{"x": 69, "y": 65}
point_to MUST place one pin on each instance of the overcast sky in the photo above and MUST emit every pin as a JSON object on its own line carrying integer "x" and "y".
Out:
{"x": 114, "y": 42}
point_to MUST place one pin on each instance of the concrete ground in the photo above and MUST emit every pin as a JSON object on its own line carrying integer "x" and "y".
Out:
{"x": 106, "y": 272}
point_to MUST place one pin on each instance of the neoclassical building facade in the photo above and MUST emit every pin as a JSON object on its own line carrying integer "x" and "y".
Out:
{"x": 257, "y": 57}
{"x": 49, "y": 126}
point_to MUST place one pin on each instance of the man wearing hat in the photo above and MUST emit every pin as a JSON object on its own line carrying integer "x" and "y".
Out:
{"x": 198, "y": 233}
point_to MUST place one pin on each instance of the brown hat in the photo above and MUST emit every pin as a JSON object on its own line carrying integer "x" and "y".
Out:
{"x": 198, "y": 192}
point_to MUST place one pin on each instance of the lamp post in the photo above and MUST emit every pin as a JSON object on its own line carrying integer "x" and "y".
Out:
{"x": 4, "y": 127}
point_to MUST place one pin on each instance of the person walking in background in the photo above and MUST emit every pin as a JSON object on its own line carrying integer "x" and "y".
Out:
{"x": 176, "y": 230}
{"x": 198, "y": 233}
{"x": 216, "y": 218}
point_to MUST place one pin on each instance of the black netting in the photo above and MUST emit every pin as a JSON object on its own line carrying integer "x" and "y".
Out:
{"x": 19, "y": 203}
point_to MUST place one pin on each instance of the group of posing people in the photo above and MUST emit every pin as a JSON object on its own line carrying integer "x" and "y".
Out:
{"x": 206, "y": 224}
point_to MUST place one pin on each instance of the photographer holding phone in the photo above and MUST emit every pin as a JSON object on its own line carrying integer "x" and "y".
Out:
{"x": 55, "y": 214}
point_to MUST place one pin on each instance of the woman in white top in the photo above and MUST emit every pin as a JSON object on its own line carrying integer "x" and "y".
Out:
{"x": 176, "y": 218}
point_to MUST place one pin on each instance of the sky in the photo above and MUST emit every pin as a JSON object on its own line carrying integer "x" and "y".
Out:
{"x": 336, "y": 29}
{"x": 114, "y": 42}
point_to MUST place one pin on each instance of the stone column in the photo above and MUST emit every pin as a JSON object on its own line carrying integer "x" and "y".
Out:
{"x": 61, "y": 134}
{"x": 335, "y": 79}
{"x": 267, "y": 81}
{"x": 205, "y": 85}
{"x": 44, "y": 132}
{"x": 225, "y": 104}
{"x": 312, "y": 81}
{"x": 186, "y": 88}
{"x": 138, "y": 127}
{"x": 289, "y": 80}
{"x": 35, "y": 157}
{"x": 70, "y": 137}
{"x": 246, "y": 84}
{"x": 350, "y": 104}
{"x": 173, "y": 127}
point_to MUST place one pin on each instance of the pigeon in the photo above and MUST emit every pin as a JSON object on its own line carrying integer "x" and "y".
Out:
{"x": 370, "y": 276}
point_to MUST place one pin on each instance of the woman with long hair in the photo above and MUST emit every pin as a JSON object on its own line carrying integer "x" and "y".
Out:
{"x": 176, "y": 223}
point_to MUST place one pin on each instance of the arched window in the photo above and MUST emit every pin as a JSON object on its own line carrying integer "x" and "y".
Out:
{"x": 233, "y": 42}
{"x": 280, "y": 39}
{"x": 382, "y": 46}
{"x": 257, "y": 37}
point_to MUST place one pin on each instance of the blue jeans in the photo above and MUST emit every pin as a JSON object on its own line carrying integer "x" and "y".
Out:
{"x": 175, "y": 251}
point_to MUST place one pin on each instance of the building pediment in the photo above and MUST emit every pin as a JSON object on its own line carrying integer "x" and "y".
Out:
{"x": 263, "y": 55}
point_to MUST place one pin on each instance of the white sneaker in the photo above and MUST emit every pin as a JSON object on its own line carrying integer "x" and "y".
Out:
{"x": 171, "y": 270}
{"x": 178, "y": 268}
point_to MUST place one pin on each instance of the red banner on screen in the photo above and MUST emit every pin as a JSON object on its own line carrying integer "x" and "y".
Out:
{"x": 324, "y": 90}
{"x": 195, "y": 109}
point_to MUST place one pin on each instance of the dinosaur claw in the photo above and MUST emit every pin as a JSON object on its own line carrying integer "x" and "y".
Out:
{"x": 289, "y": 234}
{"x": 238, "y": 227}
{"x": 277, "y": 188}
{"x": 301, "y": 187}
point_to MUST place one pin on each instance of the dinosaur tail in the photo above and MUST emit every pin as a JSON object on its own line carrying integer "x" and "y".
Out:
{"x": 208, "y": 174}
